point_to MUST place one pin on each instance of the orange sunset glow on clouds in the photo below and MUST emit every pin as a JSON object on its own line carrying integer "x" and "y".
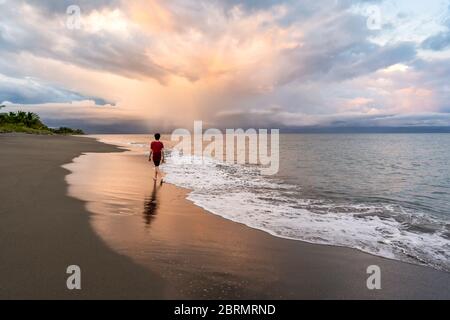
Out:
{"x": 135, "y": 65}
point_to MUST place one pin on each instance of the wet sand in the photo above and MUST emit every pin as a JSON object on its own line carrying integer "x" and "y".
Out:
{"x": 188, "y": 252}
{"x": 204, "y": 256}
{"x": 43, "y": 231}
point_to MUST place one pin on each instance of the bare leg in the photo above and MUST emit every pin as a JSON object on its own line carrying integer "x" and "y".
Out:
{"x": 156, "y": 173}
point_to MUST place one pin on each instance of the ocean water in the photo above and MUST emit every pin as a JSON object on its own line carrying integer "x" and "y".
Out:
{"x": 385, "y": 194}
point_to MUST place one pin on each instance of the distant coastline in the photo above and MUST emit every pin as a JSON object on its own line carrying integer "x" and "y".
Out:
{"x": 110, "y": 129}
{"x": 29, "y": 122}
{"x": 374, "y": 130}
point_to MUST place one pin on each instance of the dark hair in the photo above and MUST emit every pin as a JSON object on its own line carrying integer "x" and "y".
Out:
{"x": 157, "y": 136}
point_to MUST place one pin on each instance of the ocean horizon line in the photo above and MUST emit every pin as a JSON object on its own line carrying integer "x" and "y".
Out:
{"x": 316, "y": 130}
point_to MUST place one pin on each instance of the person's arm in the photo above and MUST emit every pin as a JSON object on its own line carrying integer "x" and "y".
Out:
{"x": 150, "y": 156}
{"x": 163, "y": 156}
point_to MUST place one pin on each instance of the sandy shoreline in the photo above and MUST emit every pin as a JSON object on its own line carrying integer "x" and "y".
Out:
{"x": 42, "y": 230}
{"x": 194, "y": 254}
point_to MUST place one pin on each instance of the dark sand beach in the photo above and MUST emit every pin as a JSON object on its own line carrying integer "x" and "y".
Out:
{"x": 194, "y": 254}
{"x": 43, "y": 231}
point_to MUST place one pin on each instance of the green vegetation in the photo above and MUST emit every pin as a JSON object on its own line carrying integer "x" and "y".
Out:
{"x": 29, "y": 122}
{"x": 65, "y": 130}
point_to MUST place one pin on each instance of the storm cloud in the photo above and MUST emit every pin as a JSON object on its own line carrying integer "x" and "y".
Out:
{"x": 249, "y": 63}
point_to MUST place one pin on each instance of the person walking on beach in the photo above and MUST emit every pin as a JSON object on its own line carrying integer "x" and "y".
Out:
{"x": 157, "y": 154}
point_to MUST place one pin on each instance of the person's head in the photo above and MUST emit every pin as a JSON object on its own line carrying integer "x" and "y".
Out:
{"x": 157, "y": 136}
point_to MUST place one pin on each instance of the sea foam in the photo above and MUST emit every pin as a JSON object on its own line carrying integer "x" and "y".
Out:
{"x": 239, "y": 193}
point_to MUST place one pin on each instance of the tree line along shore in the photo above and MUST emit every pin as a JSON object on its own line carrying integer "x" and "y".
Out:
{"x": 29, "y": 122}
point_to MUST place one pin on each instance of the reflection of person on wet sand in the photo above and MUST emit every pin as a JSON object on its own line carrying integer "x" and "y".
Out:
{"x": 151, "y": 205}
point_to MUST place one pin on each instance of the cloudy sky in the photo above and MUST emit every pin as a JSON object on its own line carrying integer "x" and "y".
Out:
{"x": 137, "y": 65}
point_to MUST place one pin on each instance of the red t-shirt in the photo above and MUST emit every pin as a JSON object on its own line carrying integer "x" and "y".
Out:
{"x": 156, "y": 147}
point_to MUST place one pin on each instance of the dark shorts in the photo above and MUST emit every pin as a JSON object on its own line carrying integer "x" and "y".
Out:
{"x": 157, "y": 160}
